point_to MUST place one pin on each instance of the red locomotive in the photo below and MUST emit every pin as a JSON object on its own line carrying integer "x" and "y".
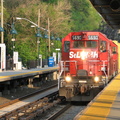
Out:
{"x": 89, "y": 61}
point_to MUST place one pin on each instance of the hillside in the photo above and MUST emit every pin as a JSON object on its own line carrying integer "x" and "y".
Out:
{"x": 64, "y": 15}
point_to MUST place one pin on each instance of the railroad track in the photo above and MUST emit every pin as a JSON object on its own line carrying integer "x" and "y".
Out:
{"x": 55, "y": 115}
{"x": 26, "y": 96}
{"x": 67, "y": 113}
{"x": 61, "y": 112}
{"x": 30, "y": 105}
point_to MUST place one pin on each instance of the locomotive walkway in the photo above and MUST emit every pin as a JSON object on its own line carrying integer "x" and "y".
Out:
{"x": 106, "y": 105}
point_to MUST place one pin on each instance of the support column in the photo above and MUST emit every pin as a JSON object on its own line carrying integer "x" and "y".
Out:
{"x": 55, "y": 76}
{"x": 30, "y": 82}
{"x": 13, "y": 86}
{"x": 6, "y": 90}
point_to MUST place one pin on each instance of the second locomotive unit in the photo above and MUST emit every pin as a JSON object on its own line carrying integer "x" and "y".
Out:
{"x": 89, "y": 61}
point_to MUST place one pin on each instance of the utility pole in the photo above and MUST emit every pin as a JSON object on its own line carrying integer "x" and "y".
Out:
{"x": 38, "y": 38}
{"x": 39, "y": 18}
{"x": 2, "y": 33}
{"x": 49, "y": 34}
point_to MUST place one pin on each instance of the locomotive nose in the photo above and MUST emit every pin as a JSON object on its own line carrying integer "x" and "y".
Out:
{"x": 115, "y": 5}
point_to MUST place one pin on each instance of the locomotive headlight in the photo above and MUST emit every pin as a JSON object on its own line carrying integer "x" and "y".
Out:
{"x": 68, "y": 79}
{"x": 96, "y": 79}
{"x": 83, "y": 55}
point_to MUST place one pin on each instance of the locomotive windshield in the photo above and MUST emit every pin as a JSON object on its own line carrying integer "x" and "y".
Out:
{"x": 84, "y": 44}
{"x": 114, "y": 50}
{"x": 66, "y": 46}
{"x": 78, "y": 44}
{"x": 103, "y": 46}
{"x": 91, "y": 44}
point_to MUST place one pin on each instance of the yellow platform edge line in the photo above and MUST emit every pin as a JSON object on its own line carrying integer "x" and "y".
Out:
{"x": 102, "y": 110}
{"x": 40, "y": 71}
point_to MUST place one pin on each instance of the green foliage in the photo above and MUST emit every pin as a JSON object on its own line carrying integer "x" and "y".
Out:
{"x": 64, "y": 15}
{"x": 26, "y": 51}
{"x": 50, "y": 1}
{"x": 84, "y": 16}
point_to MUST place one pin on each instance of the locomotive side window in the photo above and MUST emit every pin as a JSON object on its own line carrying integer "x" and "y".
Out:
{"x": 103, "y": 46}
{"x": 91, "y": 44}
{"x": 66, "y": 46}
{"x": 78, "y": 44}
{"x": 114, "y": 50}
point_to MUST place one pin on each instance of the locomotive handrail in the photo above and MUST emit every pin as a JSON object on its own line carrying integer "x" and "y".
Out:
{"x": 60, "y": 74}
{"x": 103, "y": 69}
{"x": 67, "y": 61}
{"x": 98, "y": 60}
{"x": 94, "y": 60}
{"x": 106, "y": 80}
{"x": 62, "y": 66}
{"x": 70, "y": 61}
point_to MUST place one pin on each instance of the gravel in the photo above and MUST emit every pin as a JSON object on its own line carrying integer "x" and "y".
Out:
{"x": 71, "y": 113}
{"x": 24, "y": 90}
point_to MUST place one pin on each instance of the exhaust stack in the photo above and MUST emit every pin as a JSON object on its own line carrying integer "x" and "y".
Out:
{"x": 115, "y": 5}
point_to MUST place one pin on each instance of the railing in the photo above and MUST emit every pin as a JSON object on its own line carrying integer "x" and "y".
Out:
{"x": 103, "y": 68}
{"x": 63, "y": 68}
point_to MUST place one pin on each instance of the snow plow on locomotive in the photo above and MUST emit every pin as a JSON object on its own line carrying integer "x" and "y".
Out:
{"x": 89, "y": 61}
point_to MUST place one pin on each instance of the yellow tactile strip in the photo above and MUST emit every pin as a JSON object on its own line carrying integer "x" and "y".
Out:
{"x": 25, "y": 73}
{"x": 100, "y": 107}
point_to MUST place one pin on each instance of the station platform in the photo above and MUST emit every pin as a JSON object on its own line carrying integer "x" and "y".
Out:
{"x": 106, "y": 105}
{"x": 11, "y": 74}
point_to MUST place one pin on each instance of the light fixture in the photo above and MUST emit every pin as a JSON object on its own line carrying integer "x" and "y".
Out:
{"x": 18, "y": 18}
{"x": 58, "y": 39}
{"x": 46, "y": 35}
{"x": 13, "y": 31}
{"x": 96, "y": 79}
{"x": 52, "y": 37}
{"x": 38, "y": 34}
{"x": 68, "y": 78}
{"x": 83, "y": 55}
{"x": 1, "y": 29}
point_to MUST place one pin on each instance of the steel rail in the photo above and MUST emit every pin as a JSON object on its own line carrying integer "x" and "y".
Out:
{"x": 26, "y": 96}
{"x": 57, "y": 114}
{"x": 31, "y": 109}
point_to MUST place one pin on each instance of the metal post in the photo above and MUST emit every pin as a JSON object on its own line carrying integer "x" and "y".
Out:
{"x": 39, "y": 18}
{"x": 38, "y": 39}
{"x": 38, "y": 49}
{"x": 2, "y": 33}
{"x": 49, "y": 34}
{"x": 13, "y": 41}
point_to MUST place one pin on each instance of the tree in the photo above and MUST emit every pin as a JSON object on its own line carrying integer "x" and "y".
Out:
{"x": 65, "y": 16}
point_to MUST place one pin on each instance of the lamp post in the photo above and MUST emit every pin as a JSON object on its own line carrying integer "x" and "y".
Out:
{"x": 13, "y": 32}
{"x": 49, "y": 34}
{"x": 2, "y": 34}
{"x": 38, "y": 35}
{"x": 18, "y": 18}
{"x": 58, "y": 49}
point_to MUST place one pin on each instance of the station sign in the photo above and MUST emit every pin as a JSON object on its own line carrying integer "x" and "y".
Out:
{"x": 15, "y": 57}
{"x": 2, "y": 56}
{"x": 40, "y": 56}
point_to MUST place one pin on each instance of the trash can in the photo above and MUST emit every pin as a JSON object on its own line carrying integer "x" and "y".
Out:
{"x": 50, "y": 61}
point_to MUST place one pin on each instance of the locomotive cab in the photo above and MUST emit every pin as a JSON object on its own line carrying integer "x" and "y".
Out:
{"x": 84, "y": 65}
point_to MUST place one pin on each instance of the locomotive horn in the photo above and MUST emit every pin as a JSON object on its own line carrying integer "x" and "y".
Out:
{"x": 115, "y": 5}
